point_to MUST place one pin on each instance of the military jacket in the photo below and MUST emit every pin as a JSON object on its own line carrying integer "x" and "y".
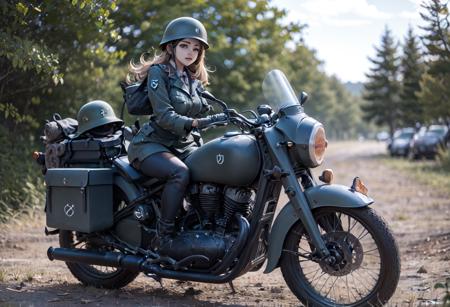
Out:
{"x": 175, "y": 105}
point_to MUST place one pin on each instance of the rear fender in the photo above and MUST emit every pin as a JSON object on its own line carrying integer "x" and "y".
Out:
{"x": 318, "y": 196}
{"x": 129, "y": 189}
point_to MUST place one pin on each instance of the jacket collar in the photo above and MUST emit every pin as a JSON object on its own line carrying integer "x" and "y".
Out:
{"x": 172, "y": 73}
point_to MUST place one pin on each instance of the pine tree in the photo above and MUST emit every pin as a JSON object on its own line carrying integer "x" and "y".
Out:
{"x": 435, "y": 83}
{"x": 411, "y": 68}
{"x": 383, "y": 88}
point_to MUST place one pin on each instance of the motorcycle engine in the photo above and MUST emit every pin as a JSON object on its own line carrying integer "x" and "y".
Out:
{"x": 218, "y": 205}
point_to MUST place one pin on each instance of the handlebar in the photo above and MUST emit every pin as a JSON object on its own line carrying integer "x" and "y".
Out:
{"x": 233, "y": 116}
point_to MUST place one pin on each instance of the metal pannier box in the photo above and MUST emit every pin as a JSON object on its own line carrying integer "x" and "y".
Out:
{"x": 79, "y": 199}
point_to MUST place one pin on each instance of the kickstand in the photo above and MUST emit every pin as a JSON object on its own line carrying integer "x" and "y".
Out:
{"x": 155, "y": 278}
{"x": 233, "y": 291}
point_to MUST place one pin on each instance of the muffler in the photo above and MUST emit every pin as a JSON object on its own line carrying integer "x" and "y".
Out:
{"x": 111, "y": 259}
{"x": 131, "y": 262}
{"x": 142, "y": 264}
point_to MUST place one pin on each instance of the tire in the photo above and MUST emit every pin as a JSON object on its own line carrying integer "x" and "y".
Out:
{"x": 93, "y": 275}
{"x": 367, "y": 248}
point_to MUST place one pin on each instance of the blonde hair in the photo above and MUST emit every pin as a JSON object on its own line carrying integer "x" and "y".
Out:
{"x": 138, "y": 71}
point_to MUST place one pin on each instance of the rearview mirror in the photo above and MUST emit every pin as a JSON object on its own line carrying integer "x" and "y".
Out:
{"x": 303, "y": 97}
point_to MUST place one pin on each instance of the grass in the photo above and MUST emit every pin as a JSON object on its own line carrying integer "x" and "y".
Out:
{"x": 2, "y": 275}
{"x": 429, "y": 172}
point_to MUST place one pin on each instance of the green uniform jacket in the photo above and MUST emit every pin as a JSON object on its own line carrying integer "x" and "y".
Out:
{"x": 175, "y": 106}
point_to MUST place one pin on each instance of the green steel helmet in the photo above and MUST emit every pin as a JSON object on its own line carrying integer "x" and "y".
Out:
{"x": 94, "y": 114}
{"x": 185, "y": 27}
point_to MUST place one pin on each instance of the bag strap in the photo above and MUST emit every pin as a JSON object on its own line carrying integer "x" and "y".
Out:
{"x": 123, "y": 86}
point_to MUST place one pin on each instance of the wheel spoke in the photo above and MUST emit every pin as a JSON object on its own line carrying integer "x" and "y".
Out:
{"x": 297, "y": 254}
{"x": 324, "y": 283}
{"x": 346, "y": 234}
{"x": 369, "y": 251}
{"x": 331, "y": 287}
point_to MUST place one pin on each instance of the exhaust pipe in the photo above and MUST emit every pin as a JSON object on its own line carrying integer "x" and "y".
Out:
{"x": 114, "y": 259}
{"x": 137, "y": 263}
{"x": 111, "y": 259}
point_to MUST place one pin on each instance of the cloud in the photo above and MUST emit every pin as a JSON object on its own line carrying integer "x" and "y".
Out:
{"x": 417, "y": 3}
{"x": 332, "y": 8}
{"x": 414, "y": 15}
{"x": 347, "y": 22}
{"x": 346, "y": 13}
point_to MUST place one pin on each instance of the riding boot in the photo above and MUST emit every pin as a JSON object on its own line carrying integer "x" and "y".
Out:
{"x": 165, "y": 231}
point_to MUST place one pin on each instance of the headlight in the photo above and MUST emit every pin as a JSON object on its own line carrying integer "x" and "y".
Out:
{"x": 307, "y": 134}
{"x": 311, "y": 142}
{"x": 317, "y": 145}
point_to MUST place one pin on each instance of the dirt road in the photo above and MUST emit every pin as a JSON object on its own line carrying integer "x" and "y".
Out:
{"x": 418, "y": 215}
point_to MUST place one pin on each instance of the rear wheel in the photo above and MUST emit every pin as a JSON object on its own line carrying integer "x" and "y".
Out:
{"x": 95, "y": 275}
{"x": 366, "y": 265}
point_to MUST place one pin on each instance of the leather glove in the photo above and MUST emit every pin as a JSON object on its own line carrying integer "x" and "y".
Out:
{"x": 215, "y": 118}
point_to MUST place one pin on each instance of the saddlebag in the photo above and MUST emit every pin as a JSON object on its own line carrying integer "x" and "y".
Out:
{"x": 93, "y": 152}
{"x": 79, "y": 199}
{"x": 88, "y": 152}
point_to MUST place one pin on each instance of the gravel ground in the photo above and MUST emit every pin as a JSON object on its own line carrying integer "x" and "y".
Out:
{"x": 418, "y": 215}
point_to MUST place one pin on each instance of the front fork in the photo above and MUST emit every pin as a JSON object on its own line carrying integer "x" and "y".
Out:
{"x": 294, "y": 191}
{"x": 303, "y": 210}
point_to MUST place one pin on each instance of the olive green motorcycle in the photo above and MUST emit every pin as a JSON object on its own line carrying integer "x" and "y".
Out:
{"x": 332, "y": 248}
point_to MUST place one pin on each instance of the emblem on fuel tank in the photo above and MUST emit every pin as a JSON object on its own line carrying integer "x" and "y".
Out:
{"x": 220, "y": 159}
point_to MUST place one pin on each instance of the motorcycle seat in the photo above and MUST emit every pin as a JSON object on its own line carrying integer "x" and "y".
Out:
{"x": 131, "y": 174}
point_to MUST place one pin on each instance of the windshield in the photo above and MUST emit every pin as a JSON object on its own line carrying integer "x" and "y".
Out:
{"x": 406, "y": 135}
{"x": 440, "y": 131}
{"x": 278, "y": 91}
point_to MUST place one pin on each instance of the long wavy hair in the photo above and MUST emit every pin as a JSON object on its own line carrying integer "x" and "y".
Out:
{"x": 138, "y": 71}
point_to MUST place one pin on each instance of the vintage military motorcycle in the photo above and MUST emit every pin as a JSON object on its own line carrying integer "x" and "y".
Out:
{"x": 333, "y": 250}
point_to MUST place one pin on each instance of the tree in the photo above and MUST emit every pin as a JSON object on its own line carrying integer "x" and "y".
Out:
{"x": 57, "y": 55}
{"x": 52, "y": 59}
{"x": 435, "y": 83}
{"x": 46, "y": 44}
{"x": 247, "y": 39}
{"x": 411, "y": 68}
{"x": 383, "y": 88}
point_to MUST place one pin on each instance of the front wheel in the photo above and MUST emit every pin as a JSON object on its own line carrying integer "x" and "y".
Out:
{"x": 366, "y": 266}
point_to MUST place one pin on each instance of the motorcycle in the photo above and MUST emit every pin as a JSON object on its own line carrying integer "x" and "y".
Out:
{"x": 332, "y": 248}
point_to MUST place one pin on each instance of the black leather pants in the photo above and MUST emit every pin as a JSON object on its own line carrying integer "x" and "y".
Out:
{"x": 166, "y": 166}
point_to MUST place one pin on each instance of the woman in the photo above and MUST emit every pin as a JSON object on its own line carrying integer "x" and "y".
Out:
{"x": 175, "y": 81}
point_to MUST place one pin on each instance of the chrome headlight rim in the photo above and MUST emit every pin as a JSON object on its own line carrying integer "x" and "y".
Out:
{"x": 312, "y": 144}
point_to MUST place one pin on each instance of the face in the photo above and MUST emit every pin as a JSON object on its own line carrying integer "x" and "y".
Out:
{"x": 187, "y": 51}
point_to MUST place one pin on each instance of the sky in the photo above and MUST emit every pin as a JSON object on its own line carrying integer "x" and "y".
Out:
{"x": 344, "y": 33}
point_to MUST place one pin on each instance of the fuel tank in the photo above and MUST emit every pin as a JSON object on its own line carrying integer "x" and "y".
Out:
{"x": 233, "y": 159}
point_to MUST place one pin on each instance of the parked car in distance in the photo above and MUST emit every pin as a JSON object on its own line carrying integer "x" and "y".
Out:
{"x": 382, "y": 136}
{"x": 427, "y": 144}
{"x": 400, "y": 143}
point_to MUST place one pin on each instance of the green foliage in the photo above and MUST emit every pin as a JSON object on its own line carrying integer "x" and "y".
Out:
{"x": 383, "y": 88}
{"x": 444, "y": 158}
{"x": 46, "y": 44}
{"x": 21, "y": 190}
{"x": 246, "y": 37}
{"x": 446, "y": 287}
{"x": 412, "y": 69}
{"x": 435, "y": 83}
{"x": 430, "y": 173}
{"x": 57, "y": 55}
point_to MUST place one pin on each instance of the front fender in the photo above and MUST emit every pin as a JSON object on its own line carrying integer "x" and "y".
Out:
{"x": 319, "y": 196}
